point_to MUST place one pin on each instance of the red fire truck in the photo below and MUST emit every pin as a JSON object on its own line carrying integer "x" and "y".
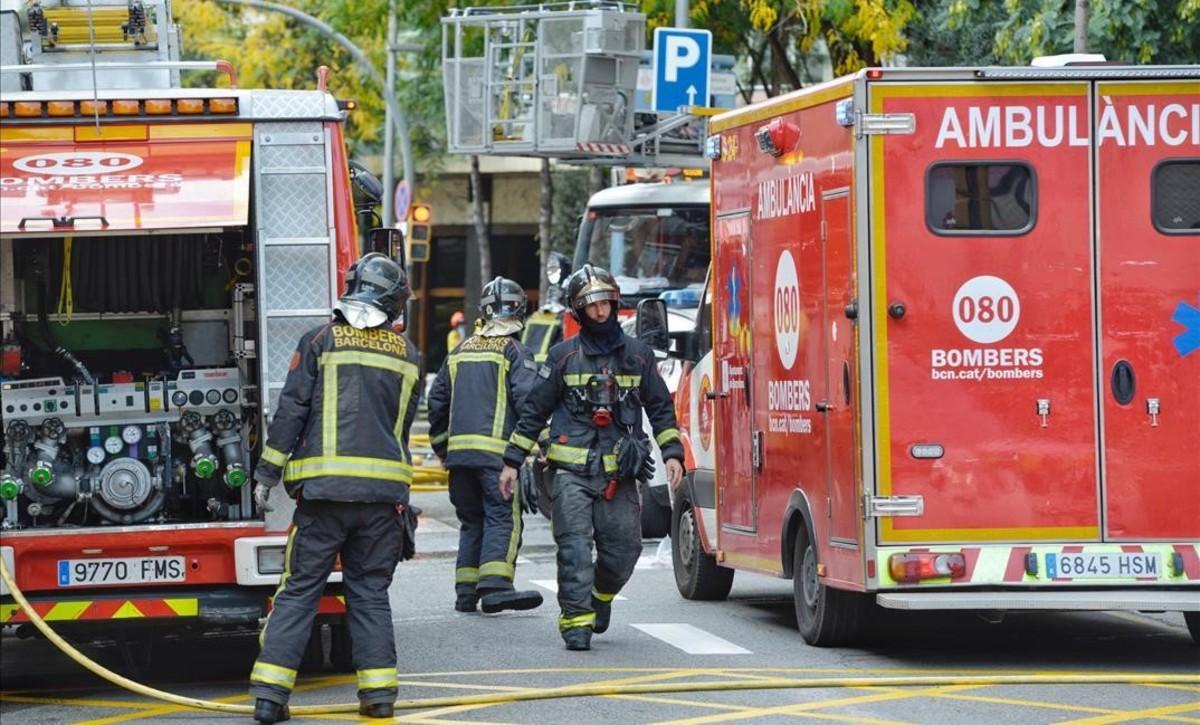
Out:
{"x": 949, "y": 352}
{"x": 162, "y": 249}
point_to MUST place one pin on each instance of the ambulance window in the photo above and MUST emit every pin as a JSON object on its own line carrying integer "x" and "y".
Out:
{"x": 1175, "y": 196}
{"x": 980, "y": 198}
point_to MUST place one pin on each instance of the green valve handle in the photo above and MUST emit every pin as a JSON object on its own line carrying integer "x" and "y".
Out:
{"x": 41, "y": 475}
{"x": 235, "y": 477}
{"x": 204, "y": 466}
{"x": 10, "y": 488}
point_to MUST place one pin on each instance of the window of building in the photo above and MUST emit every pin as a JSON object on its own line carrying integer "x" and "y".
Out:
{"x": 1175, "y": 196}
{"x": 980, "y": 198}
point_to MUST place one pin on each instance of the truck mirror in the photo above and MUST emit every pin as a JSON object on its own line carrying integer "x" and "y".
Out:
{"x": 652, "y": 324}
{"x": 389, "y": 241}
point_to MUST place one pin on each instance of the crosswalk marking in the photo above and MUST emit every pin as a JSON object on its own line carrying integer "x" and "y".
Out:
{"x": 693, "y": 640}
{"x": 552, "y": 585}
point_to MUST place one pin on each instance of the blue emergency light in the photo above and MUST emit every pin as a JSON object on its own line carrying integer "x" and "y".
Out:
{"x": 687, "y": 297}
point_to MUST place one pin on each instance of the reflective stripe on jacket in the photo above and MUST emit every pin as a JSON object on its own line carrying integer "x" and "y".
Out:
{"x": 475, "y": 399}
{"x": 576, "y": 443}
{"x": 542, "y": 330}
{"x": 340, "y": 430}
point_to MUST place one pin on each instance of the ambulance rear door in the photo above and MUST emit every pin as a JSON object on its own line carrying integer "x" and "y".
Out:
{"x": 1148, "y": 237}
{"x": 982, "y": 282}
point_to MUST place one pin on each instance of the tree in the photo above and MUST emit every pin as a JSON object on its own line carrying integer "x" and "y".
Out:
{"x": 781, "y": 39}
{"x": 1014, "y": 32}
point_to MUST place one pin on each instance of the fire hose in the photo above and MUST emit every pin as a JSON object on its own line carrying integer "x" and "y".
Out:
{"x": 599, "y": 690}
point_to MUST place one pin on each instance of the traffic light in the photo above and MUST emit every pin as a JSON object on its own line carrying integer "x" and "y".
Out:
{"x": 420, "y": 232}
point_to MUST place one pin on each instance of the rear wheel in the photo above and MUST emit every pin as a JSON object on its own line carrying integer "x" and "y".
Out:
{"x": 1193, "y": 625}
{"x": 697, "y": 574}
{"x": 826, "y": 617}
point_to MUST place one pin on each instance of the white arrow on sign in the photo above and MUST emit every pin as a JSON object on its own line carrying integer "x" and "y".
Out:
{"x": 691, "y": 91}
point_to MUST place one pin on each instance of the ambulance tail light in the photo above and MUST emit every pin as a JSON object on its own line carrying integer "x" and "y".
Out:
{"x": 125, "y": 108}
{"x": 190, "y": 106}
{"x": 60, "y": 108}
{"x": 27, "y": 109}
{"x": 916, "y": 566}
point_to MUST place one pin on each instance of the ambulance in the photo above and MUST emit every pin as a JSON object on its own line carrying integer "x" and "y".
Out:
{"x": 162, "y": 250}
{"x": 948, "y": 355}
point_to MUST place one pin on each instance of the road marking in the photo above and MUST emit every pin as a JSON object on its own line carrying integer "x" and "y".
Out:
{"x": 431, "y": 525}
{"x": 693, "y": 640}
{"x": 1128, "y": 715}
{"x": 796, "y": 710}
{"x": 551, "y": 585}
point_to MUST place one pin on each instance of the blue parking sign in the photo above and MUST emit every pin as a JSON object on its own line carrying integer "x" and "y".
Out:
{"x": 682, "y": 62}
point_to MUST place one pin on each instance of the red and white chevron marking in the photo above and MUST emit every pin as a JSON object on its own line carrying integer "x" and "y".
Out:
{"x": 612, "y": 149}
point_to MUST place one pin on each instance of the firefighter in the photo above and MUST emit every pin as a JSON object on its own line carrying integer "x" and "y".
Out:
{"x": 596, "y": 384}
{"x": 473, "y": 406}
{"x": 339, "y": 441}
{"x": 544, "y": 328}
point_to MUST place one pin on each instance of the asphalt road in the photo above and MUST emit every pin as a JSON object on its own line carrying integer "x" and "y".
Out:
{"x": 657, "y": 637}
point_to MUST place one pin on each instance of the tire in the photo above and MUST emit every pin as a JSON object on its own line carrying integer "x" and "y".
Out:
{"x": 826, "y": 617}
{"x": 313, "y": 659}
{"x": 341, "y": 654}
{"x": 1193, "y": 624}
{"x": 698, "y": 576}
{"x": 656, "y": 518}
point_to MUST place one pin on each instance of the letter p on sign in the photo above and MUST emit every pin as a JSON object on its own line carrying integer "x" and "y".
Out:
{"x": 682, "y": 60}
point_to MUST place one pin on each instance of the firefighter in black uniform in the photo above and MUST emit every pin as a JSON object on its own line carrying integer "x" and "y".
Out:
{"x": 339, "y": 441}
{"x": 596, "y": 384}
{"x": 473, "y": 406}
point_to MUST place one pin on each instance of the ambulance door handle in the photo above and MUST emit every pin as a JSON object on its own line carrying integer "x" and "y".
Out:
{"x": 852, "y": 310}
{"x": 823, "y": 406}
{"x": 716, "y": 395}
{"x": 897, "y": 310}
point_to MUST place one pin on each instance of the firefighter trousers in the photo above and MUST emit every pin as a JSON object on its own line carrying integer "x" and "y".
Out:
{"x": 367, "y": 535}
{"x": 490, "y": 531}
{"x": 581, "y": 515}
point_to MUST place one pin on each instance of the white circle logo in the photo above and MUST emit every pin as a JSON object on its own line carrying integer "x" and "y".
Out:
{"x": 78, "y": 163}
{"x": 986, "y": 309}
{"x": 787, "y": 310}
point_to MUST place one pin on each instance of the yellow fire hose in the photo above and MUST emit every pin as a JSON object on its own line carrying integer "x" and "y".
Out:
{"x": 776, "y": 683}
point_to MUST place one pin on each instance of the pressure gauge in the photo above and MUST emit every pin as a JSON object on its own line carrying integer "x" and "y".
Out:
{"x": 95, "y": 455}
{"x": 131, "y": 434}
{"x": 113, "y": 445}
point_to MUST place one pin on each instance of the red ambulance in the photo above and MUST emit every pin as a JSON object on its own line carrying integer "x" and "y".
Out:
{"x": 949, "y": 352}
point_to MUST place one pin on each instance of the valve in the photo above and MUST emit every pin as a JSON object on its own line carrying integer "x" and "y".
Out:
{"x": 10, "y": 487}
{"x": 204, "y": 461}
{"x": 41, "y": 473}
{"x": 229, "y": 442}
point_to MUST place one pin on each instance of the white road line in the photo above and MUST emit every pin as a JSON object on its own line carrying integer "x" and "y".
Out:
{"x": 693, "y": 640}
{"x": 552, "y": 585}
{"x": 431, "y": 525}
{"x": 523, "y": 560}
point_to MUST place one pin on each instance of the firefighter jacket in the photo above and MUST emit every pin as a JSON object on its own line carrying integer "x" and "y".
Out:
{"x": 341, "y": 426}
{"x": 475, "y": 399}
{"x": 577, "y": 443}
{"x": 542, "y": 330}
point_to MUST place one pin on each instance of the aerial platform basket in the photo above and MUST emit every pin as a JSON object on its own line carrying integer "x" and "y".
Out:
{"x": 554, "y": 80}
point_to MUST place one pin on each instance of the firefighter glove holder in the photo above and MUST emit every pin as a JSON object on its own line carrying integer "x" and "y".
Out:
{"x": 408, "y": 530}
{"x": 529, "y": 491}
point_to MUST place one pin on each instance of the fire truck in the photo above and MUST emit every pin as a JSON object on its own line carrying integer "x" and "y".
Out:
{"x": 948, "y": 356}
{"x": 162, "y": 250}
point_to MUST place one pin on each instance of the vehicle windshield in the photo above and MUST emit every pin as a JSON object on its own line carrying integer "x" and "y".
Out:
{"x": 649, "y": 249}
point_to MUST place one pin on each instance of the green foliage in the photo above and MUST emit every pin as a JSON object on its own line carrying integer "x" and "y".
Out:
{"x": 1013, "y": 32}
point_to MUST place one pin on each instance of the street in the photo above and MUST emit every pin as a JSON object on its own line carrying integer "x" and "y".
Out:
{"x": 657, "y": 637}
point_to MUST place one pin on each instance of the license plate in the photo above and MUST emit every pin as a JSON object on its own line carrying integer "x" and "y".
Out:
{"x": 1102, "y": 566}
{"x": 132, "y": 570}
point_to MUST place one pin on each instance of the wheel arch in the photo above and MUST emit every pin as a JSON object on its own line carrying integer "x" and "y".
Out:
{"x": 797, "y": 514}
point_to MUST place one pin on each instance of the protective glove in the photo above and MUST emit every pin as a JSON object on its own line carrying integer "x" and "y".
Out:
{"x": 261, "y": 493}
{"x": 529, "y": 489}
{"x": 647, "y": 473}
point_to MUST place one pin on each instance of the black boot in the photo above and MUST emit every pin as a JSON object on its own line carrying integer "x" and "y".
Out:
{"x": 603, "y": 615}
{"x": 377, "y": 709}
{"x": 269, "y": 711}
{"x": 578, "y": 639}
{"x": 466, "y": 602}
{"x": 498, "y": 601}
